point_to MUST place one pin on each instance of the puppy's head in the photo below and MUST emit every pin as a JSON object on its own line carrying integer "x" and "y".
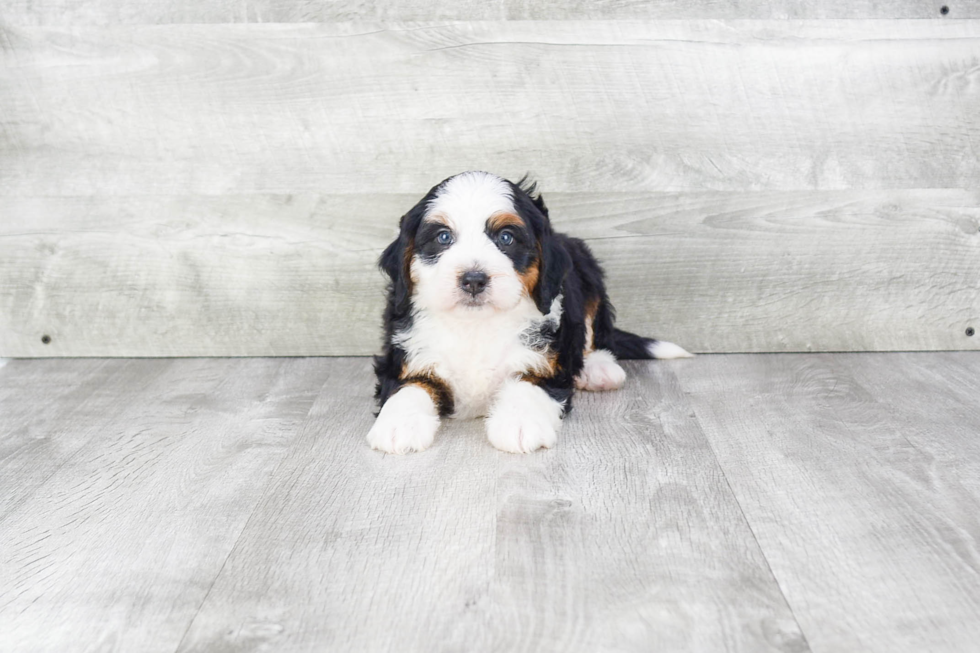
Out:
{"x": 477, "y": 244}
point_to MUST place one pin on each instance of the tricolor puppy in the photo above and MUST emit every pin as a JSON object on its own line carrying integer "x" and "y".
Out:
{"x": 492, "y": 313}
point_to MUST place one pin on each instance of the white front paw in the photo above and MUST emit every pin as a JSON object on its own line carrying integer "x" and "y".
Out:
{"x": 600, "y": 372}
{"x": 523, "y": 418}
{"x": 407, "y": 422}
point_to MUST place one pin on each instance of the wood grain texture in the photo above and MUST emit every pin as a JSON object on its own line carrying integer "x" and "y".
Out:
{"x": 296, "y": 275}
{"x": 726, "y": 503}
{"x": 373, "y": 552}
{"x": 80, "y": 397}
{"x": 945, "y": 433}
{"x": 585, "y": 105}
{"x": 865, "y": 514}
{"x": 224, "y": 189}
{"x": 626, "y": 537}
{"x": 194, "y": 276}
{"x": 110, "y": 12}
{"x": 117, "y": 549}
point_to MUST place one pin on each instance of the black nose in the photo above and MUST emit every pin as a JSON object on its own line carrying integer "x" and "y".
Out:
{"x": 474, "y": 282}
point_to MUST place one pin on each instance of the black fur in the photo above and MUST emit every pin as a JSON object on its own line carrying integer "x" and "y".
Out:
{"x": 440, "y": 392}
{"x": 566, "y": 267}
{"x": 389, "y": 366}
{"x": 521, "y": 251}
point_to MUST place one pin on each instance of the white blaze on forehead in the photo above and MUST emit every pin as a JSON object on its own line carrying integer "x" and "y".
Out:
{"x": 470, "y": 198}
{"x": 465, "y": 203}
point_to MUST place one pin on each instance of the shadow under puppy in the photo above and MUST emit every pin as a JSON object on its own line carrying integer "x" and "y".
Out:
{"x": 492, "y": 313}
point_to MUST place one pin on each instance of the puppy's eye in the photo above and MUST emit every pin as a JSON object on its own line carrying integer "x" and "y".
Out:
{"x": 506, "y": 238}
{"x": 444, "y": 237}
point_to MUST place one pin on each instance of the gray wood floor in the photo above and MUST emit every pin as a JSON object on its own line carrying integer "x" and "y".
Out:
{"x": 792, "y": 502}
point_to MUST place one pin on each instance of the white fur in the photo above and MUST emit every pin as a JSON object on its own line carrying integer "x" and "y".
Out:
{"x": 474, "y": 353}
{"x": 465, "y": 204}
{"x": 3, "y": 361}
{"x": 474, "y": 349}
{"x": 523, "y": 418}
{"x": 478, "y": 350}
{"x": 664, "y": 350}
{"x": 480, "y": 345}
{"x": 470, "y": 198}
{"x": 408, "y": 422}
{"x": 600, "y": 372}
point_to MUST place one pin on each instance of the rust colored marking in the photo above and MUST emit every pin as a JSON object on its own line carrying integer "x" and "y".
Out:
{"x": 591, "y": 308}
{"x": 529, "y": 278}
{"x": 538, "y": 377}
{"x": 438, "y": 218}
{"x": 498, "y": 221}
{"x": 407, "y": 271}
{"x": 437, "y": 389}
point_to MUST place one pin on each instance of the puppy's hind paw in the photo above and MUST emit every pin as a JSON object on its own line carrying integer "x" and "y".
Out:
{"x": 600, "y": 372}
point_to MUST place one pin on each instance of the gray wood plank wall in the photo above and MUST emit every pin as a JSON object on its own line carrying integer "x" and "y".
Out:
{"x": 172, "y": 189}
{"x": 109, "y": 12}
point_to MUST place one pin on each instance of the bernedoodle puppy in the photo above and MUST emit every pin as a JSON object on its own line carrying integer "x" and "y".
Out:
{"x": 491, "y": 313}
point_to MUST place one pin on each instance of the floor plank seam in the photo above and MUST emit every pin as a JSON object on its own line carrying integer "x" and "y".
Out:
{"x": 234, "y": 548}
{"x": 858, "y": 471}
{"x": 765, "y": 556}
{"x": 217, "y": 575}
{"x": 745, "y": 518}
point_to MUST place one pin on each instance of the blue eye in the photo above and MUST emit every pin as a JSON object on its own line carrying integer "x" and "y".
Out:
{"x": 506, "y": 238}
{"x": 444, "y": 237}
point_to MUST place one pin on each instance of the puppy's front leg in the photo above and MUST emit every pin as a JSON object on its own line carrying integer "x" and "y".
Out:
{"x": 408, "y": 421}
{"x": 523, "y": 418}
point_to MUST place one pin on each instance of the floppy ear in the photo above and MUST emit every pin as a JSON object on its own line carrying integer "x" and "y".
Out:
{"x": 554, "y": 260}
{"x": 397, "y": 257}
{"x": 555, "y": 264}
{"x": 394, "y": 262}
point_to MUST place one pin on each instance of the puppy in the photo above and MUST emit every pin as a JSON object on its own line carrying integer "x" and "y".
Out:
{"x": 491, "y": 313}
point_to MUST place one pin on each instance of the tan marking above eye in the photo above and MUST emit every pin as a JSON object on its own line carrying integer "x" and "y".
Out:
{"x": 504, "y": 219}
{"x": 438, "y": 218}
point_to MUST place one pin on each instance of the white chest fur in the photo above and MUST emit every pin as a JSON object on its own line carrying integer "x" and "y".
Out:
{"x": 474, "y": 352}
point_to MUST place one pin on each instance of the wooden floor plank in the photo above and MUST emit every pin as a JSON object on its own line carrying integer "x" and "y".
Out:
{"x": 872, "y": 537}
{"x": 352, "y": 550}
{"x": 50, "y": 409}
{"x": 726, "y": 503}
{"x": 936, "y": 395}
{"x": 626, "y": 537}
{"x": 116, "y": 551}
{"x": 424, "y": 552}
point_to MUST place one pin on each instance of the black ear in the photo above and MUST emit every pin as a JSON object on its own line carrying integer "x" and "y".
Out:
{"x": 391, "y": 259}
{"x": 555, "y": 261}
{"x": 397, "y": 256}
{"x": 554, "y": 267}
{"x": 394, "y": 263}
{"x": 530, "y": 188}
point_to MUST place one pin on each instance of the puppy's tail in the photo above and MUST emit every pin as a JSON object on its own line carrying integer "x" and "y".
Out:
{"x": 624, "y": 344}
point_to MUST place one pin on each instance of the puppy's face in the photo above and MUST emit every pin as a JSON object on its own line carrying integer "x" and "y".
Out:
{"x": 472, "y": 251}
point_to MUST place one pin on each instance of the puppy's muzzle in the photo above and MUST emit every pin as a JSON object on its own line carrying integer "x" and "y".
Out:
{"x": 474, "y": 282}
